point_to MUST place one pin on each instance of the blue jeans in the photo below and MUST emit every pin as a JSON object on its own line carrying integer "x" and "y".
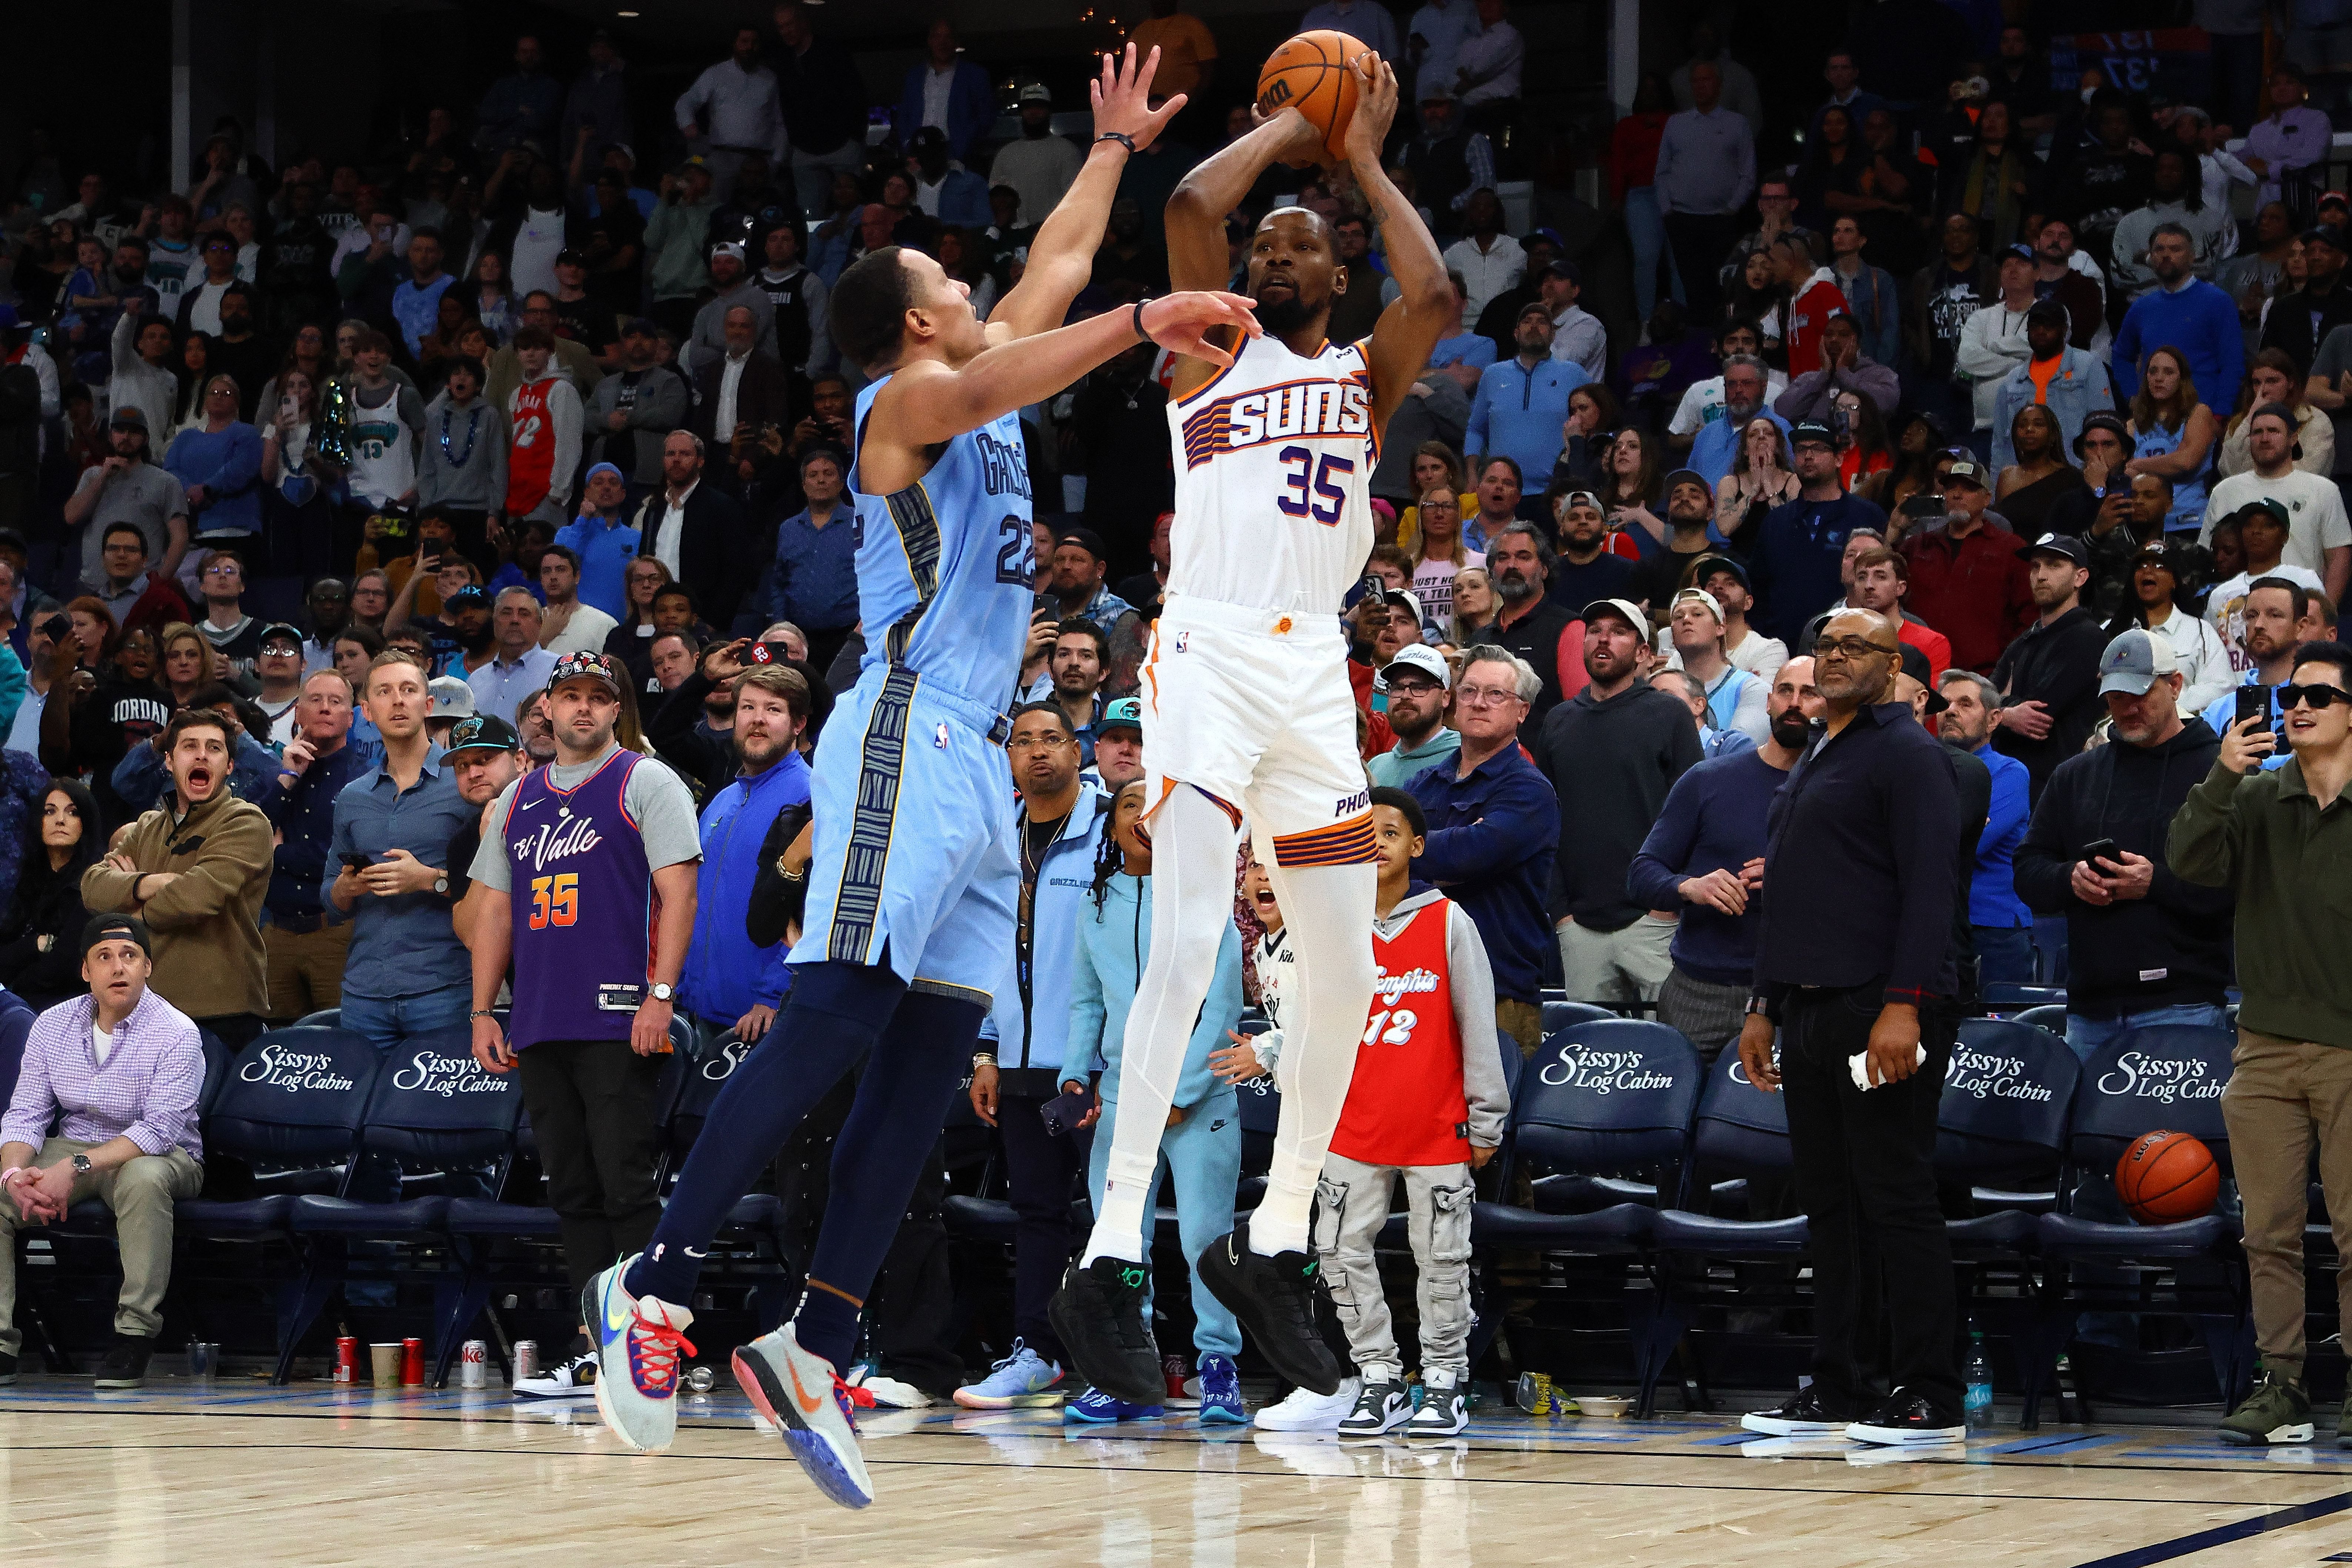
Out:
{"x": 2086, "y": 1037}
{"x": 2005, "y": 954}
{"x": 386, "y": 1021}
{"x": 1648, "y": 230}
{"x": 1202, "y": 1154}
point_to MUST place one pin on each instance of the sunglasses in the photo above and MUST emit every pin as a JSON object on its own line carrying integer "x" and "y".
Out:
{"x": 2318, "y": 697}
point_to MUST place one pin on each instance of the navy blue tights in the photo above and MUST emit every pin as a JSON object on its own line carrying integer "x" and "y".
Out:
{"x": 836, "y": 1012}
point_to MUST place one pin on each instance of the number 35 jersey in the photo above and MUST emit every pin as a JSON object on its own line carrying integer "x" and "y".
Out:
{"x": 1273, "y": 466}
{"x": 946, "y": 566}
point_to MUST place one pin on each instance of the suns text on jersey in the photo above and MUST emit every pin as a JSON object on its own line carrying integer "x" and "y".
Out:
{"x": 1309, "y": 408}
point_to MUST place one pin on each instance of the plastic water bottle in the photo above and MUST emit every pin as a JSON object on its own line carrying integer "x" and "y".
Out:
{"x": 1978, "y": 1378}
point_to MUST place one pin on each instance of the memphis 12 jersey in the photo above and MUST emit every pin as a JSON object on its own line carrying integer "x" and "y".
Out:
{"x": 1274, "y": 467}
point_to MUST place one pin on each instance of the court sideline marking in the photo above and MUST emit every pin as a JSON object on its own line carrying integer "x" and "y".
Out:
{"x": 2223, "y": 1534}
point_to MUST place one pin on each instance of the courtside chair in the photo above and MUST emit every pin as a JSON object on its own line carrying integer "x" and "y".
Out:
{"x": 285, "y": 1123}
{"x": 1610, "y": 1098}
{"x": 2050, "y": 1016}
{"x": 757, "y": 1220}
{"x": 2005, "y": 998}
{"x": 2165, "y": 1078}
{"x": 446, "y": 1121}
{"x": 2000, "y": 1133}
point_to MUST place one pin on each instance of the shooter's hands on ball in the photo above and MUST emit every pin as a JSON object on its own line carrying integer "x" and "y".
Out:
{"x": 1375, "y": 106}
{"x": 1121, "y": 97}
{"x": 1302, "y": 148}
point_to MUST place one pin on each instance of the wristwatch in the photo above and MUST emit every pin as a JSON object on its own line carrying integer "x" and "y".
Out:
{"x": 441, "y": 886}
{"x": 661, "y": 992}
{"x": 81, "y": 1164}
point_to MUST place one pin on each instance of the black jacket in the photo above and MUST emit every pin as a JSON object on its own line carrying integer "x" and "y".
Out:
{"x": 1972, "y": 786}
{"x": 47, "y": 905}
{"x": 1611, "y": 764}
{"x": 2289, "y": 324}
{"x": 1535, "y": 636}
{"x": 714, "y": 558}
{"x": 2057, "y": 666}
{"x": 2169, "y": 949}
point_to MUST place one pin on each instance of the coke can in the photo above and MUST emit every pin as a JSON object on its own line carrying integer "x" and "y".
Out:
{"x": 473, "y": 1364}
{"x": 347, "y": 1358}
{"x": 526, "y": 1358}
{"x": 412, "y": 1363}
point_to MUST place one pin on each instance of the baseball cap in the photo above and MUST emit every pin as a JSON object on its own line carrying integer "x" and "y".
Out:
{"x": 641, "y": 327}
{"x": 2133, "y": 661}
{"x": 128, "y": 417}
{"x": 1702, "y": 598}
{"x": 452, "y": 697}
{"x": 726, "y": 247}
{"x": 1532, "y": 308}
{"x": 1419, "y": 657}
{"x": 1707, "y": 566}
{"x": 1567, "y": 271}
{"x": 1035, "y": 92}
{"x": 2270, "y": 506}
{"x": 466, "y": 597}
{"x": 1126, "y": 713}
{"x": 1811, "y": 430}
{"x": 1915, "y": 666}
{"x": 483, "y": 732}
{"x": 1586, "y": 498}
{"x": 926, "y": 137}
{"x": 278, "y": 631}
{"x": 2064, "y": 544}
{"x": 2019, "y": 253}
{"x": 1687, "y": 476}
{"x": 1966, "y": 471}
{"x": 1536, "y": 236}
{"x": 117, "y": 928}
{"x": 1624, "y": 610}
{"x": 1403, "y": 599}
{"x": 2329, "y": 198}
{"x": 2326, "y": 234}
{"x": 577, "y": 663}
{"x": 568, "y": 256}
{"x": 1086, "y": 539}
{"x": 2051, "y": 312}
{"x": 2112, "y": 423}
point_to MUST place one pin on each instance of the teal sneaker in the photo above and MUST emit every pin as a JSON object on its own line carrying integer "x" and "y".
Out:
{"x": 638, "y": 1341}
{"x": 1025, "y": 1377}
{"x": 2277, "y": 1412}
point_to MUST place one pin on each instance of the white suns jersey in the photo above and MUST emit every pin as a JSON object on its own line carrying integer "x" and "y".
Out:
{"x": 1274, "y": 467}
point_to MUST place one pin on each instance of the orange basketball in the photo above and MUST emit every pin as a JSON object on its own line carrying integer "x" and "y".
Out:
{"x": 2168, "y": 1176}
{"x": 1310, "y": 74}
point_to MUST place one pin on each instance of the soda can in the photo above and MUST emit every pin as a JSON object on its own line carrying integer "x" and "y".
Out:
{"x": 412, "y": 1363}
{"x": 347, "y": 1358}
{"x": 474, "y": 1363}
{"x": 1534, "y": 1394}
{"x": 699, "y": 1380}
{"x": 526, "y": 1358}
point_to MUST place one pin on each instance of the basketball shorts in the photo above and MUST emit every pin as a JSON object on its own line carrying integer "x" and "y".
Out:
{"x": 1254, "y": 707}
{"x": 915, "y": 861}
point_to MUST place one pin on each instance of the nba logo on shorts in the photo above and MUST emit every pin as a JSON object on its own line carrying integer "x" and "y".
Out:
{"x": 1183, "y": 641}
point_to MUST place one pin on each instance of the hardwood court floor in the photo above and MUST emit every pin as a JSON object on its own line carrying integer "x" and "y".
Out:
{"x": 180, "y": 1475}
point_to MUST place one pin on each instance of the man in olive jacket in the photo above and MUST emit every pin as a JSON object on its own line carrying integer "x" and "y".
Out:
{"x": 2282, "y": 841}
{"x": 195, "y": 869}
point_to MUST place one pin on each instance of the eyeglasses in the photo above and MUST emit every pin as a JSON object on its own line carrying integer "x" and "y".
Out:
{"x": 1036, "y": 742}
{"x": 1411, "y": 688}
{"x": 2318, "y": 697}
{"x": 1487, "y": 696}
{"x": 1848, "y": 648}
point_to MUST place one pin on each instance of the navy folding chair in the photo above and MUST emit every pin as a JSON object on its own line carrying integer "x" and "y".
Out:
{"x": 757, "y": 1218}
{"x": 2050, "y": 1016}
{"x": 285, "y": 1122}
{"x": 1610, "y": 1098}
{"x": 1561, "y": 1013}
{"x": 2167, "y": 1078}
{"x": 2005, "y": 997}
{"x": 324, "y": 1019}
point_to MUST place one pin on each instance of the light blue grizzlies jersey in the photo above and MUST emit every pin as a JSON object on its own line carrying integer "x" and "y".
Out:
{"x": 946, "y": 567}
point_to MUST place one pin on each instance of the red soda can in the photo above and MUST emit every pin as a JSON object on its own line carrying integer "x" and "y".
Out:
{"x": 347, "y": 1358}
{"x": 412, "y": 1363}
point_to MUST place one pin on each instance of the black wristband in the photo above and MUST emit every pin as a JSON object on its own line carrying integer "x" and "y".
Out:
{"x": 1139, "y": 332}
{"x": 1123, "y": 139}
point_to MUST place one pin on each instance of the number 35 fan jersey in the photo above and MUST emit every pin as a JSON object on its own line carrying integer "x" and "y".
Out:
{"x": 1274, "y": 465}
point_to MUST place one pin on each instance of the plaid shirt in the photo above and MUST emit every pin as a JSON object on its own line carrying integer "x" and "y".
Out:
{"x": 146, "y": 1091}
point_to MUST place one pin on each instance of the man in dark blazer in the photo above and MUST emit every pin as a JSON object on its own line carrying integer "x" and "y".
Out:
{"x": 759, "y": 397}
{"x": 698, "y": 532}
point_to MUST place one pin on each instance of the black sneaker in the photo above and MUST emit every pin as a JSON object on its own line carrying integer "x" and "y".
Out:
{"x": 7, "y": 1370}
{"x": 126, "y": 1363}
{"x": 1274, "y": 1299}
{"x": 1804, "y": 1413}
{"x": 1098, "y": 1313}
{"x": 1906, "y": 1418}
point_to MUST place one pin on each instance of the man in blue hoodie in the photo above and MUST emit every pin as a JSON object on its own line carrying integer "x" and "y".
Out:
{"x": 730, "y": 984}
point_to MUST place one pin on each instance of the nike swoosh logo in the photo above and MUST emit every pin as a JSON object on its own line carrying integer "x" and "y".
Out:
{"x": 810, "y": 1403}
{"x": 616, "y": 1320}
{"x": 529, "y": 805}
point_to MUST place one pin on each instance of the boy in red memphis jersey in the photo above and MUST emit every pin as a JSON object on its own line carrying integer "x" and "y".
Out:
{"x": 1427, "y": 1103}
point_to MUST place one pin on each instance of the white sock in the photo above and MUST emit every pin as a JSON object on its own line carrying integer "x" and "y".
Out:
{"x": 1327, "y": 913}
{"x": 1192, "y": 845}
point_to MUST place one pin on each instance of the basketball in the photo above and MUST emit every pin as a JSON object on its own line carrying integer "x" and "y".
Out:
{"x": 2165, "y": 1177}
{"x": 1311, "y": 74}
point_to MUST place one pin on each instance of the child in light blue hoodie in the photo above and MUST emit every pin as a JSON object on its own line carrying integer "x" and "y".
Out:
{"x": 1202, "y": 1148}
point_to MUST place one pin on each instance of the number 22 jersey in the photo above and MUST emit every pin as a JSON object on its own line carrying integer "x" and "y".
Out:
{"x": 1273, "y": 466}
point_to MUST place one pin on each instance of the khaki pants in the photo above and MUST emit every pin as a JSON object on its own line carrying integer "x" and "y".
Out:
{"x": 141, "y": 1194}
{"x": 2280, "y": 1095}
{"x": 1522, "y": 1022}
{"x": 306, "y": 972}
{"x": 1610, "y": 967}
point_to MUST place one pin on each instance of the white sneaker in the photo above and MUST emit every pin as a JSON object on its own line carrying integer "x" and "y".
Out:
{"x": 575, "y": 1379}
{"x": 889, "y": 1392}
{"x": 1302, "y": 1410}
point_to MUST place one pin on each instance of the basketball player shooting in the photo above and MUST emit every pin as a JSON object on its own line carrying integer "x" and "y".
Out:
{"x": 1252, "y": 717}
{"x": 911, "y": 892}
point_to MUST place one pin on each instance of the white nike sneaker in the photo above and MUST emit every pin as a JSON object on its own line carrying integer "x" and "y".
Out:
{"x": 638, "y": 1341}
{"x": 1303, "y": 1410}
{"x": 805, "y": 1396}
{"x": 574, "y": 1379}
{"x": 889, "y": 1392}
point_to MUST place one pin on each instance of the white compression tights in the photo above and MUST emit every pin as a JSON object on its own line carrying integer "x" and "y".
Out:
{"x": 1327, "y": 912}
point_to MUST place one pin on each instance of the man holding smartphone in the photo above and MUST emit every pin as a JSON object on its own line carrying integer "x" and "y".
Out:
{"x": 2278, "y": 616}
